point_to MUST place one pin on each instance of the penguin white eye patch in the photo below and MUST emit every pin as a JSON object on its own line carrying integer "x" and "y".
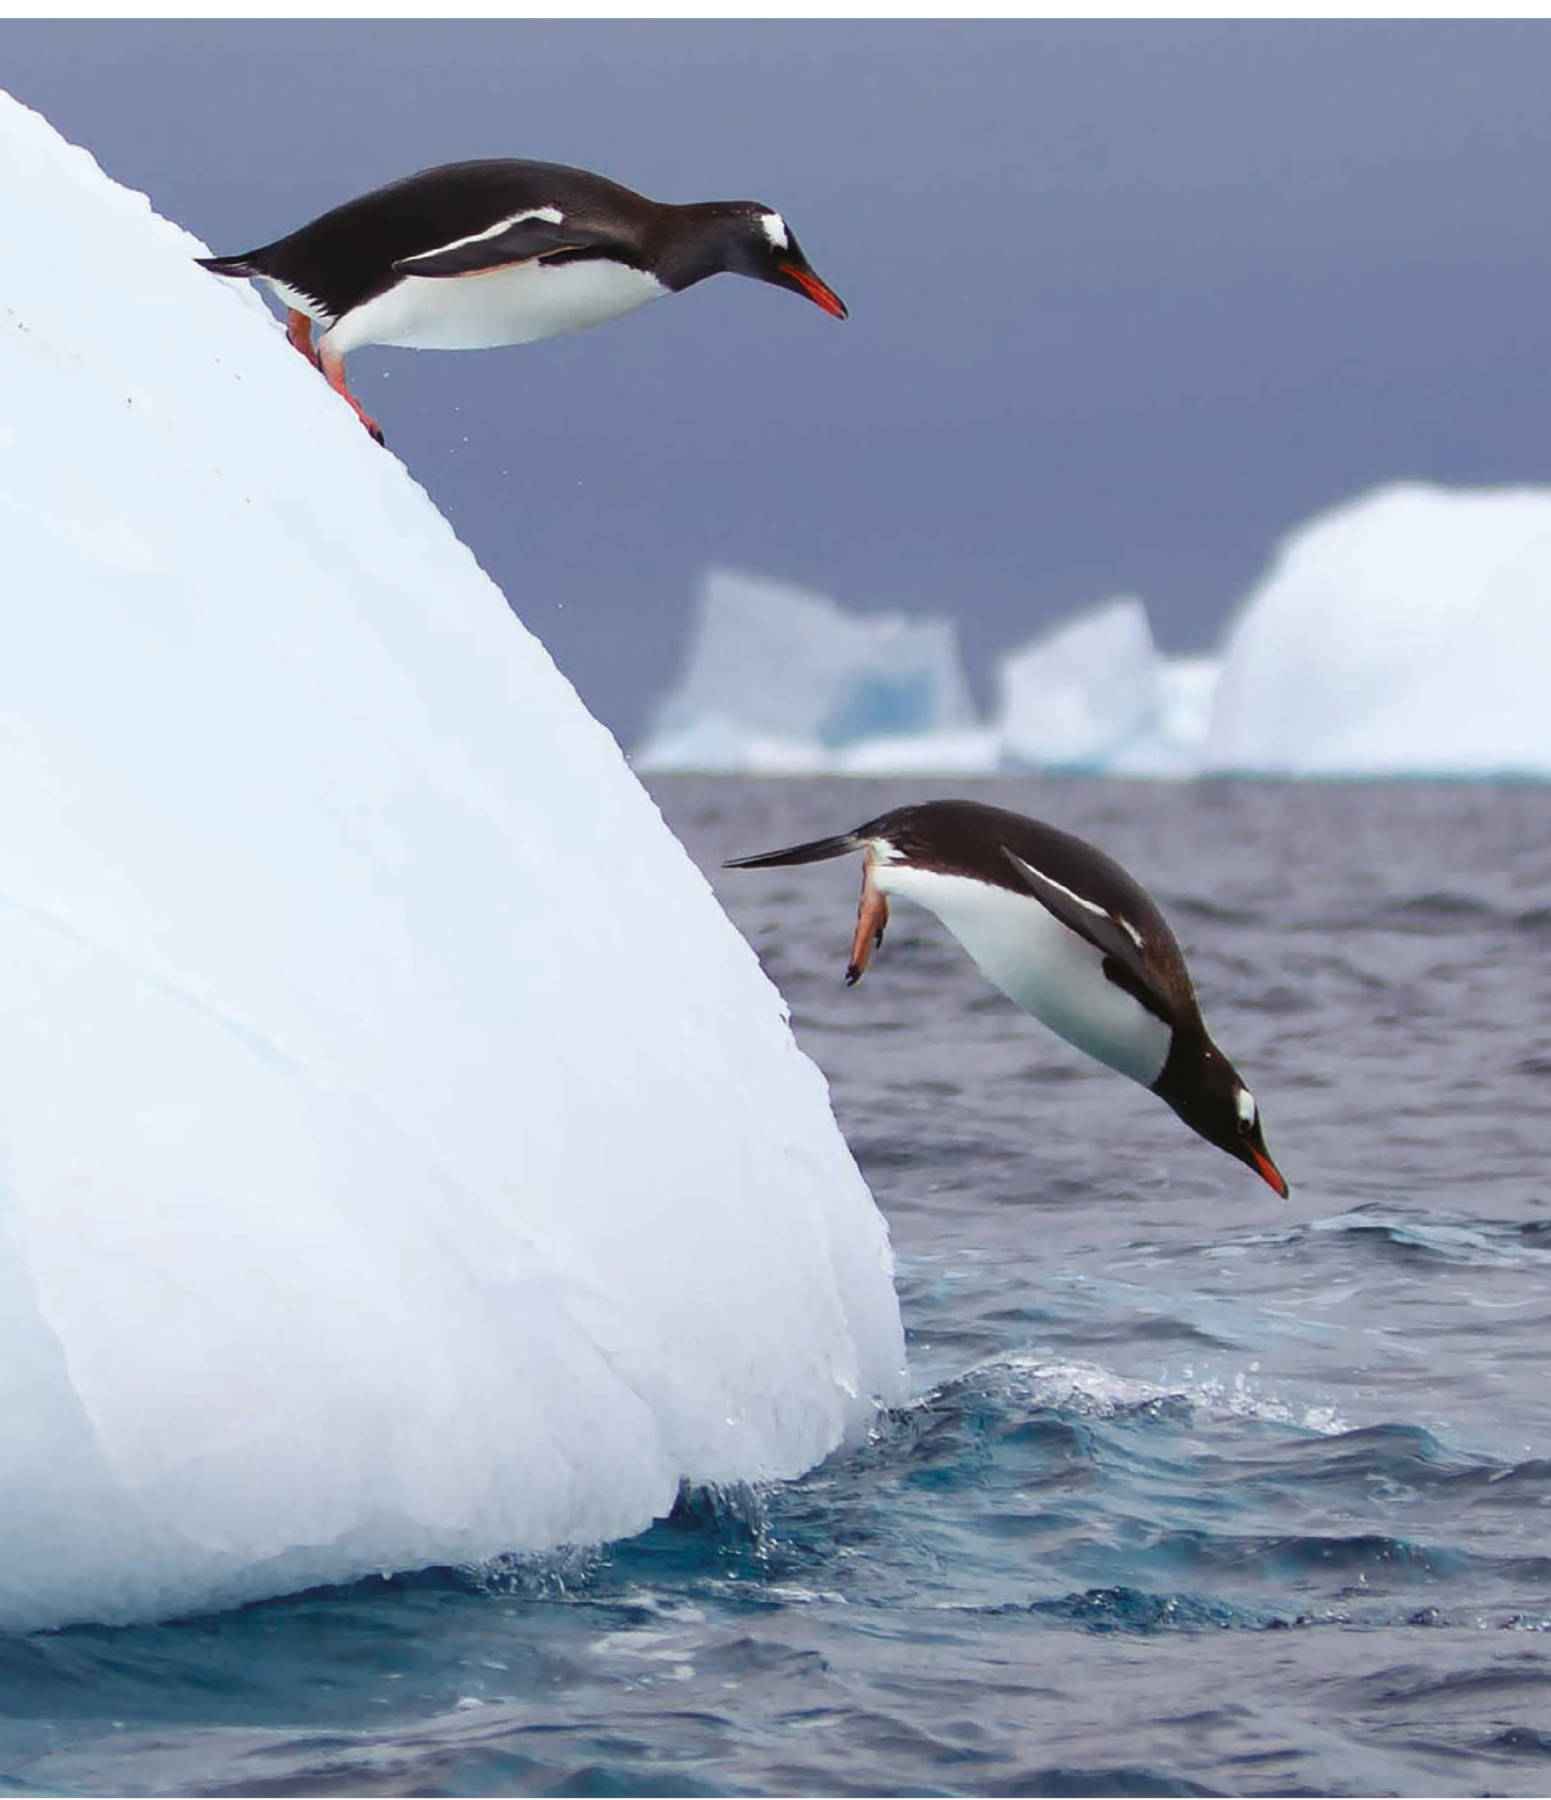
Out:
{"x": 1246, "y": 1105}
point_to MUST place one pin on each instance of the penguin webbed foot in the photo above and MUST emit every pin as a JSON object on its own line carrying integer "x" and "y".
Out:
{"x": 298, "y": 332}
{"x": 333, "y": 368}
{"x": 871, "y": 918}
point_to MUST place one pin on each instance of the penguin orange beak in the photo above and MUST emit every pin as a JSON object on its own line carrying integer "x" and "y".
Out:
{"x": 1268, "y": 1171}
{"x": 820, "y": 294}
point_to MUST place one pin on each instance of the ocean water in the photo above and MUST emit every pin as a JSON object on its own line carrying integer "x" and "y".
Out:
{"x": 1200, "y": 1491}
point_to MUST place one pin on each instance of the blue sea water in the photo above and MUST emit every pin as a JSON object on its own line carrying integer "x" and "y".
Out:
{"x": 1200, "y": 1492}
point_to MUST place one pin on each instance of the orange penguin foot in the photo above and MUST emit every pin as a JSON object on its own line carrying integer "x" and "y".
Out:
{"x": 333, "y": 368}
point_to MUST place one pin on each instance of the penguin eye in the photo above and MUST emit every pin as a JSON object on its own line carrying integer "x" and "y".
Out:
{"x": 1245, "y": 1102}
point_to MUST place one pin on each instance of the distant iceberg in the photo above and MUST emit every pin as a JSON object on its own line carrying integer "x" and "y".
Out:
{"x": 402, "y": 1159}
{"x": 779, "y": 680}
{"x": 1096, "y": 695}
{"x": 1407, "y": 632}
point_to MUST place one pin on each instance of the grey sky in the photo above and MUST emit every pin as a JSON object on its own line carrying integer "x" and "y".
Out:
{"x": 1127, "y": 299}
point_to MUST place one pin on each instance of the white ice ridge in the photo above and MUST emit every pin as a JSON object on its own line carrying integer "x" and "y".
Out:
{"x": 1407, "y": 632}
{"x": 402, "y": 1160}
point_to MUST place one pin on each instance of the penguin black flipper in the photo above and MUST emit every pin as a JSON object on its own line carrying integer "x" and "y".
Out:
{"x": 540, "y": 236}
{"x": 1124, "y": 963}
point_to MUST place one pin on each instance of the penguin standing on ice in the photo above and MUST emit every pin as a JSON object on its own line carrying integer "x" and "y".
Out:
{"x": 477, "y": 254}
{"x": 1067, "y": 935}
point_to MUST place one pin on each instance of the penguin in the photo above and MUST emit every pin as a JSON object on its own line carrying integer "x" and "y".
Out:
{"x": 473, "y": 255}
{"x": 1067, "y": 935}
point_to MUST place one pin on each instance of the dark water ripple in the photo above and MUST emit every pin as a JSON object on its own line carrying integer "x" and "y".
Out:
{"x": 1201, "y": 1493}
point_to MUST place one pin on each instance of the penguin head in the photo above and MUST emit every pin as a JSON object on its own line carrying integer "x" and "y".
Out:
{"x": 1207, "y": 1093}
{"x": 743, "y": 237}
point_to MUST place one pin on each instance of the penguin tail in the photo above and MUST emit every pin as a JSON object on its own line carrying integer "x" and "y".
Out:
{"x": 240, "y": 266}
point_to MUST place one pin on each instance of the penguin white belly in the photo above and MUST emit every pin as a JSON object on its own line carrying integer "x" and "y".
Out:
{"x": 1039, "y": 965}
{"x": 512, "y": 305}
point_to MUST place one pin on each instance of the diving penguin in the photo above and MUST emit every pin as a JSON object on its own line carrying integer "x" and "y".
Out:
{"x": 477, "y": 254}
{"x": 1067, "y": 935}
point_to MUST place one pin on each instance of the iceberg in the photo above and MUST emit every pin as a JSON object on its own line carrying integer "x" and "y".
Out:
{"x": 1094, "y": 694}
{"x": 402, "y": 1159}
{"x": 1396, "y": 635}
{"x": 779, "y": 680}
{"x": 1406, "y": 632}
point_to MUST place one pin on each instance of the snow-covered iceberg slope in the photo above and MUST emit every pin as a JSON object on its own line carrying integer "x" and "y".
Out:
{"x": 1095, "y": 694}
{"x": 782, "y": 681}
{"x": 1407, "y": 632}
{"x": 402, "y": 1159}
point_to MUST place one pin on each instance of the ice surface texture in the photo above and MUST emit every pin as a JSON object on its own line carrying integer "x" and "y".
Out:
{"x": 402, "y": 1160}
